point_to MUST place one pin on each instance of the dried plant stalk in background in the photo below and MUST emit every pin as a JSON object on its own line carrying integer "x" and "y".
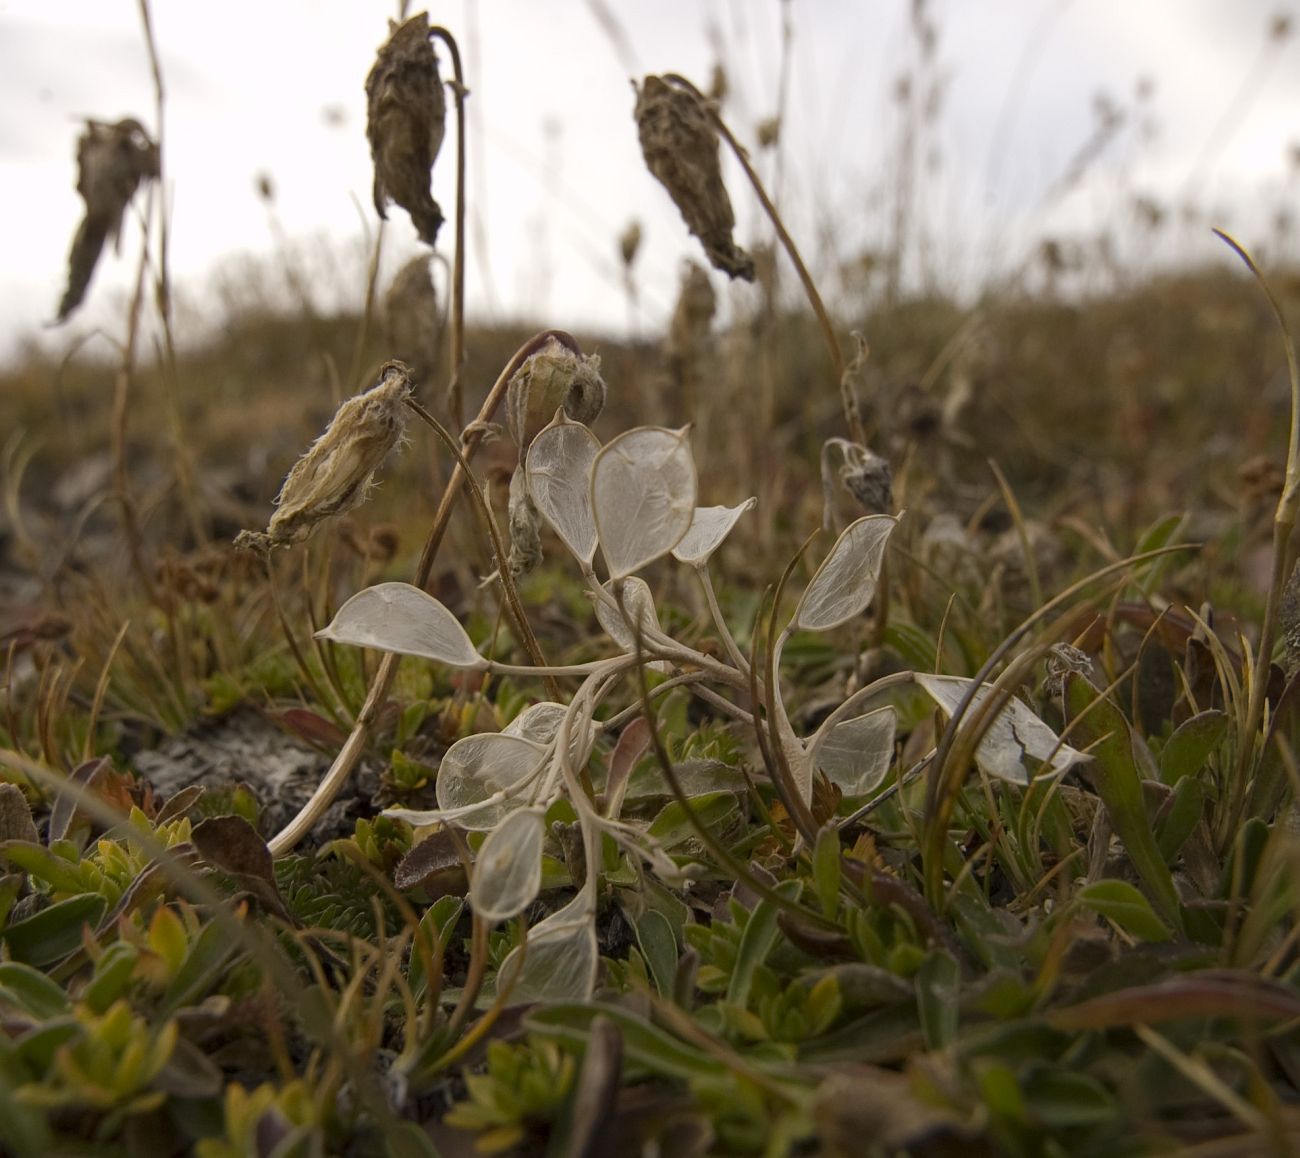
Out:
{"x": 406, "y": 113}
{"x": 680, "y": 146}
{"x": 411, "y": 319}
{"x": 337, "y": 472}
{"x": 112, "y": 160}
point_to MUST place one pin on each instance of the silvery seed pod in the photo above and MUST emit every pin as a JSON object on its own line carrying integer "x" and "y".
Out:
{"x": 112, "y": 160}
{"x": 525, "y": 523}
{"x": 680, "y": 146}
{"x": 406, "y": 112}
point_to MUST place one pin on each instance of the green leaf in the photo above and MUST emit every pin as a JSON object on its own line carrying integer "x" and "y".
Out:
{"x": 654, "y": 934}
{"x": 1120, "y": 902}
{"x": 112, "y": 975}
{"x": 1063, "y": 1100}
{"x": 1181, "y": 818}
{"x": 937, "y": 983}
{"x": 32, "y": 991}
{"x": 643, "y": 1044}
{"x": 54, "y": 932}
{"x": 713, "y": 810}
{"x": 1100, "y": 728}
{"x": 1189, "y": 747}
{"x": 203, "y": 968}
{"x": 756, "y": 942}
{"x": 47, "y": 867}
{"x": 826, "y": 870}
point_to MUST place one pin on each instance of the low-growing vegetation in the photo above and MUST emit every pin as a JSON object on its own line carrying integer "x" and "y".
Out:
{"x": 749, "y": 743}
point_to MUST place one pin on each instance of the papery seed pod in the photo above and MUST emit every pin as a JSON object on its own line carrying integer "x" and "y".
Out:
{"x": 525, "y": 523}
{"x": 112, "y": 160}
{"x": 337, "y": 472}
{"x": 680, "y": 146}
{"x": 406, "y": 112}
{"x": 555, "y": 376}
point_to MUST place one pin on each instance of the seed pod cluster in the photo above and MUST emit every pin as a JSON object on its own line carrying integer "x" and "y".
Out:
{"x": 680, "y": 146}
{"x": 112, "y": 160}
{"x": 338, "y": 470}
{"x": 406, "y": 113}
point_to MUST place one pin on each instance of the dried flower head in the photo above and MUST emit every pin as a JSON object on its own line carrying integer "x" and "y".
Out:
{"x": 688, "y": 332}
{"x": 406, "y": 111}
{"x": 865, "y": 475}
{"x": 629, "y": 243}
{"x": 411, "y": 317}
{"x": 112, "y": 160}
{"x": 337, "y": 472}
{"x": 680, "y": 146}
{"x": 555, "y": 376}
{"x": 525, "y": 528}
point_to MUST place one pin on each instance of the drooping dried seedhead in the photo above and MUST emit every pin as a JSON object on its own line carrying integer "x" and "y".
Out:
{"x": 680, "y": 146}
{"x": 555, "y": 376}
{"x": 112, "y": 160}
{"x": 337, "y": 472}
{"x": 688, "y": 332}
{"x": 406, "y": 111}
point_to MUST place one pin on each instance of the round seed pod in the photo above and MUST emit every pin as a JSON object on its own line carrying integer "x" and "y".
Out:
{"x": 553, "y": 377}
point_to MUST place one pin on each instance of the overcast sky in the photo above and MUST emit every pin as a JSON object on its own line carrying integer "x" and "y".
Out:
{"x": 556, "y": 174}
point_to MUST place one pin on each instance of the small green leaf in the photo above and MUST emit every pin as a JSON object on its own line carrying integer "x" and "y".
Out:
{"x": 714, "y": 810}
{"x": 112, "y": 975}
{"x": 1186, "y": 751}
{"x": 1181, "y": 818}
{"x": 937, "y": 982}
{"x": 643, "y": 1044}
{"x": 1100, "y": 727}
{"x": 654, "y": 934}
{"x": 32, "y": 991}
{"x": 756, "y": 942}
{"x": 826, "y": 870}
{"x": 1120, "y": 902}
{"x": 54, "y": 932}
{"x": 1063, "y": 1100}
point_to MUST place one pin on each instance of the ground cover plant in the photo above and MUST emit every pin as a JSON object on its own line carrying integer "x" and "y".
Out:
{"x": 702, "y": 749}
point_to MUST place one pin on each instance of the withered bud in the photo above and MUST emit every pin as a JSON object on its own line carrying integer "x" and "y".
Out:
{"x": 865, "y": 475}
{"x": 411, "y": 317}
{"x": 337, "y": 472}
{"x": 406, "y": 112}
{"x": 629, "y": 243}
{"x": 1062, "y": 660}
{"x": 769, "y": 132}
{"x": 112, "y": 160}
{"x": 555, "y": 376}
{"x": 688, "y": 331}
{"x": 680, "y": 146}
{"x": 525, "y": 528}
{"x": 718, "y": 85}
{"x": 265, "y": 188}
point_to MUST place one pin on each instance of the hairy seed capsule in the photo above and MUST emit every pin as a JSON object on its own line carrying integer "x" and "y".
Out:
{"x": 112, "y": 160}
{"x": 680, "y": 147}
{"x": 406, "y": 113}
{"x": 555, "y": 376}
{"x": 337, "y": 472}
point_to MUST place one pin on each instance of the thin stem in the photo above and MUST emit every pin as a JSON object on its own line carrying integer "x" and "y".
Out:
{"x": 498, "y": 549}
{"x": 455, "y": 402}
{"x": 724, "y": 632}
{"x": 851, "y": 413}
{"x": 1283, "y": 524}
{"x": 351, "y": 751}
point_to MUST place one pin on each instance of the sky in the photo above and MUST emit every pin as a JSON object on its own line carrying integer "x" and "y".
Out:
{"x": 1209, "y": 108}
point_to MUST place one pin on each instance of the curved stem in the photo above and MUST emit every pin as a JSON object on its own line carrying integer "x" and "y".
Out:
{"x": 351, "y": 751}
{"x": 455, "y": 402}
{"x": 851, "y": 414}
